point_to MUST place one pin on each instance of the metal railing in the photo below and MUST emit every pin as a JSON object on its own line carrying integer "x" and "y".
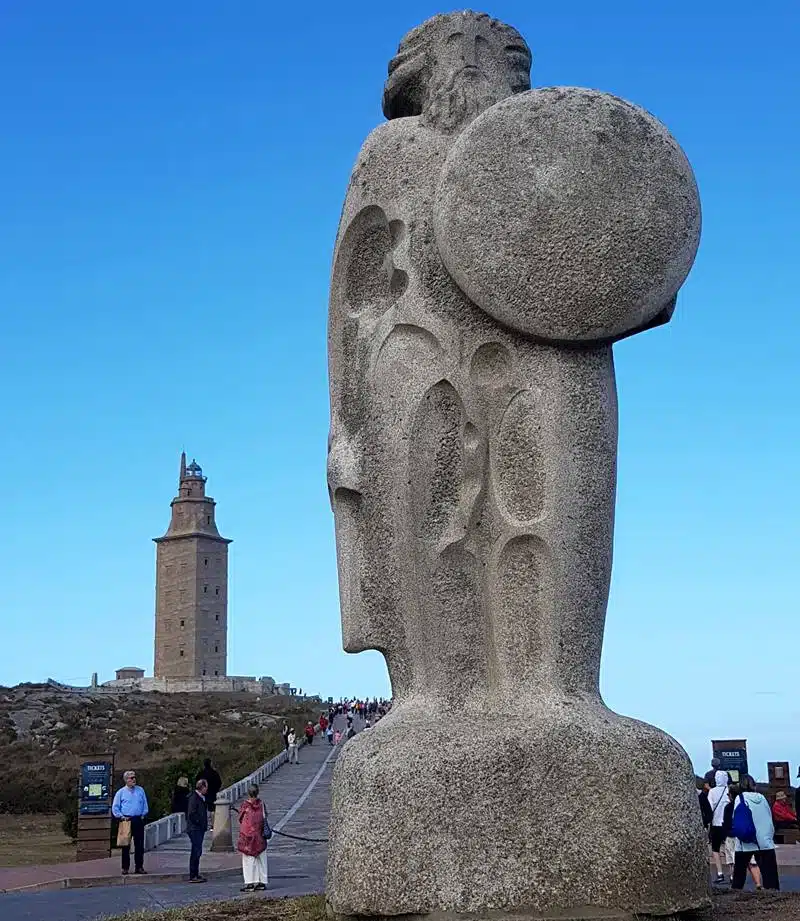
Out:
{"x": 237, "y": 791}
{"x": 171, "y": 826}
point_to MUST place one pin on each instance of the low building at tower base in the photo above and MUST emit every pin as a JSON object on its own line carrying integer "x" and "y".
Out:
{"x": 264, "y": 687}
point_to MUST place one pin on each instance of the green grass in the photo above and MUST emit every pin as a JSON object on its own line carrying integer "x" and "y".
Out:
{"x": 33, "y": 839}
{"x": 767, "y": 906}
{"x": 252, "y": 908}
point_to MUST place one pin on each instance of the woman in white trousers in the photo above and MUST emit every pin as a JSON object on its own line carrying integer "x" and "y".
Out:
{"x": 252, "y": 843}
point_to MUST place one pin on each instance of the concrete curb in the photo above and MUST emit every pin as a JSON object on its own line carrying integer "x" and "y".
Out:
{"x": 91, "y": 882}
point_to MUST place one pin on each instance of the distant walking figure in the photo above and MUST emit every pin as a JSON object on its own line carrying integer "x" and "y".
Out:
{"x": 292, "y": 745}
{"x": 252, "y": 844}
{"x": 130, "y": 807}
{"x": 214, "y": 781}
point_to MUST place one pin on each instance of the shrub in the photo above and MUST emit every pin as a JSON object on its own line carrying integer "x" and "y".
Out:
{"x": 69, "y": 821}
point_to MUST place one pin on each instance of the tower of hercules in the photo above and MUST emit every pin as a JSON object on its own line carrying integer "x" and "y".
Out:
{"x": 191, "y": 585}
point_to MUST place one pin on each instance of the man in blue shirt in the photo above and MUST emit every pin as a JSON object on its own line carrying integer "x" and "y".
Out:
{"x": 130, "y": 802}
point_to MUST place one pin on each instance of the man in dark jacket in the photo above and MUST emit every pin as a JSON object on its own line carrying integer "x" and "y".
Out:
{"x": 214, "y": 781}
{"x": 710, "y": 776}
{"x": 196, "y": 828}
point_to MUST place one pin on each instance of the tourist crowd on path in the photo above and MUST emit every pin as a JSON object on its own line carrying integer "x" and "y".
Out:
{"x": 365, "y": 709}
{"x": 130, "y": 805}
{"x": 741, "y": 828}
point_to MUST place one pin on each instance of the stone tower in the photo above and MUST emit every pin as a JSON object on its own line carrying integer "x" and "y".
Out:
{"x": 191, "y": 585}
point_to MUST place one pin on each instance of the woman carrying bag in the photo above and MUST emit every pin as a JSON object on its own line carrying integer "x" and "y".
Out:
{"x": 755, "y": 836}
{"x": 254, "y": 832}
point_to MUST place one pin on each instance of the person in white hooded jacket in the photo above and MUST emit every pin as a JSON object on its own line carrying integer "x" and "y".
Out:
{"x": 717, "y": 801}
{"x": 763, "y": 849}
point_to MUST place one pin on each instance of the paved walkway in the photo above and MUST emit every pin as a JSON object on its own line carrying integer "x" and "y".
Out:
{"x": 298, "y": 802}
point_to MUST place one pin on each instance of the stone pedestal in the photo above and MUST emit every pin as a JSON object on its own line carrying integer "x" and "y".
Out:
{"x": 570, "y": 806}
{"x": 222, "y": 832}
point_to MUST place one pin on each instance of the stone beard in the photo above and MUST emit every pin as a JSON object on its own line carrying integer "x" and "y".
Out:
{"x": 472, "y": 472}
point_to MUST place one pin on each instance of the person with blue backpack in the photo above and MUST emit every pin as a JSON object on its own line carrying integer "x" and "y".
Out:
{"x": 751, "y": 826}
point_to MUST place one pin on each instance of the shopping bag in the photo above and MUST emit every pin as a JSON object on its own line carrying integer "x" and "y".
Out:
{"x": 124, "y": 833}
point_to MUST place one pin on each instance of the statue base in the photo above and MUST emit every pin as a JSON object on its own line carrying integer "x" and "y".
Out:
{"x": 570, "y": 811}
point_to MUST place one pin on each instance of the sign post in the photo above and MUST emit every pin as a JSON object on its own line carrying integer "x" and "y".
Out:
{"x": 732, "y": 754}
{"x": 95, "y": 795}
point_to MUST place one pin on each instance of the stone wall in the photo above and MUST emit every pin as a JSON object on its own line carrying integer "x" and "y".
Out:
{"x": 262, "y": 686}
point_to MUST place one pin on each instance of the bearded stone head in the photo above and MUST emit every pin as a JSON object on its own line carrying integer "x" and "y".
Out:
{"x": 455, "y": 66}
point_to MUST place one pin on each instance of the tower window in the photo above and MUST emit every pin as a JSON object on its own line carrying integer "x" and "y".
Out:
{"x": 216, "y": 649}
{"x": 204, "y": 671}
{"x": 217, "y": 592}
{"x": 183, "y": 624}
{"x": 208, "y": 519}
{"x": 181, "y": 653}
{"x": 205, "y": 562}
{"x": 216, "y": 617}
{"x": 188, "y": 492}
{"x": 205, "y": 588}
{"x": 216, "y": 672}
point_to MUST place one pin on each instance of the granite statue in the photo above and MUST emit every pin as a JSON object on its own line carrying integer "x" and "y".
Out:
{"x": 495, "y": 242}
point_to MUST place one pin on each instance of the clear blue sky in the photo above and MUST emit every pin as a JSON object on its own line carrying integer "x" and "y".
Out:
{"x": 171, "y": 176}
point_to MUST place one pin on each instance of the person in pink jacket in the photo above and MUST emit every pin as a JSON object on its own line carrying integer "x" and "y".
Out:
{"x": 252, "y": 844}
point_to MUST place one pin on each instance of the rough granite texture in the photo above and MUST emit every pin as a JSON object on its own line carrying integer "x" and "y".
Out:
{"x": 568, "y": 214}
{"x": 472, "y": 471}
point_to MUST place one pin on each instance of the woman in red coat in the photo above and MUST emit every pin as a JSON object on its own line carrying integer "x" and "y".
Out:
{"x": 252, "y": 843}
{"x": 783, "y": 816}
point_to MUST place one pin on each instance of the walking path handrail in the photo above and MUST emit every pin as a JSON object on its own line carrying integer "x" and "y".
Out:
{"x": 237, "y": 791}
{"x": 171, "y": 826}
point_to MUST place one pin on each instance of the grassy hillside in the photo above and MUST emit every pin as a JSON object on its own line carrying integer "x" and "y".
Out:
{"x": 46, "y": 733}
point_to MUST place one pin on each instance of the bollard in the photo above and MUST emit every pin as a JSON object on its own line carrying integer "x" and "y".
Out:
{"x": 222, "y": 834}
